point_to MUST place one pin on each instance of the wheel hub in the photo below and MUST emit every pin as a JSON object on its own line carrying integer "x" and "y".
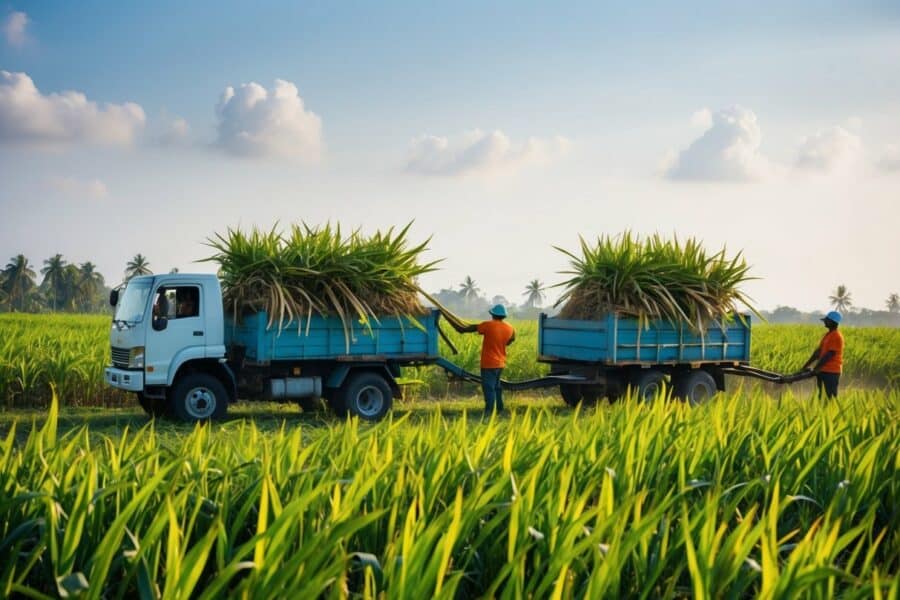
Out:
{"x": 369, "y": 401}
{"x": 201, "y": 403}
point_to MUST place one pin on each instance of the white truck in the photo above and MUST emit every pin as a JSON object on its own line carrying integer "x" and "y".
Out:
{"x": 173, "y": 345}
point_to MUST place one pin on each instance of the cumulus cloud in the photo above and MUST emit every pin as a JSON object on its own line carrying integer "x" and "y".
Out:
{"x": 728, "y": 150}
{"x": 256, "y": 122}
{"x": 830, "y": 151}
{"x": 890, "y": 158}
{"x": 480, "y": 152}
{"x": 79, "y": 188}
{"x": 28, "y": 116}
{"x": 14, "y": 28}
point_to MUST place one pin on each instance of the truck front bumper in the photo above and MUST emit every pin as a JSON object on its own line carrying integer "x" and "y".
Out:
{"x": 123, "y": 379}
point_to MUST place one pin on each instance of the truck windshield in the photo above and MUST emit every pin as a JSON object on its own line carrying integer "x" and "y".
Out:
{"x": 130, "y": 307}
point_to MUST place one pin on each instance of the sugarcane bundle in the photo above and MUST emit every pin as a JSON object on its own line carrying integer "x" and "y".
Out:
{"x": 319, "y": 270}
{"x": 653, "y": 278}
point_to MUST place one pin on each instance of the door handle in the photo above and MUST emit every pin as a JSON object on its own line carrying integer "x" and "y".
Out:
{"x": 198, "y": 333}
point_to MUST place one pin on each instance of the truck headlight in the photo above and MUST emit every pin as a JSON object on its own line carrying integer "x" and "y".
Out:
{"x": 136, "y": 358}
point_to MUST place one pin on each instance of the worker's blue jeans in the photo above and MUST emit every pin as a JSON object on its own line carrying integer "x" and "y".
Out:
{"x": 827, "y": 383}
{"x": 493, "y": 393}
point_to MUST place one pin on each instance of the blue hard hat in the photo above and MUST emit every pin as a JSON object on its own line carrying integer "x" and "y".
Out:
{"x": 833, "y": 316}
{"x": 498, "y": 310}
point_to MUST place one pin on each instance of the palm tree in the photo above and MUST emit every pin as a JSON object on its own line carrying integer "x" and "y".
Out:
{"x": 54, "y": 272}
{"x": 535, "y": 293}
{"x": 88, "y": 283}
{"x": 137, "y": 266}
{"x": 469, "y": 289}
{"x": 17, "y": 281}
{"x": 893, "y": 303}
{"x": 841, "y": 299}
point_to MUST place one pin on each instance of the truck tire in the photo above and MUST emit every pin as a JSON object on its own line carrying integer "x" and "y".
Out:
{"x": 695, "y": 387}
{"x": 199, "y": 397}
{"x": 154, "y": 407}
{"x": 366, "y": 395}
{"x": 648, "y": 384}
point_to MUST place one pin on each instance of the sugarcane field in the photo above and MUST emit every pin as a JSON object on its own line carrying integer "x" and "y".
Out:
{"x": 449, "y": 300}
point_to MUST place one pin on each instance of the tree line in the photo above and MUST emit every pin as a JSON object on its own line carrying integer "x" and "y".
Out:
{"x": 61, "y": 287}
{"x": 71, "y": 287}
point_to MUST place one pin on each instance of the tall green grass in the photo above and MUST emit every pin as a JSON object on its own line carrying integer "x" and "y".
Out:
{"x": 745, "y": 497}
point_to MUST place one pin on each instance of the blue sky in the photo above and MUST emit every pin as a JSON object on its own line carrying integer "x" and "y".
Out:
{"x": 501, "y": 129}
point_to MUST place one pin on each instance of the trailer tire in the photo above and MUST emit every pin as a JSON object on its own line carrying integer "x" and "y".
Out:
{"x": 695, "y": 387}
{"x": 199, "y": 397}
{"x": 648, "y": 384}
{"x": 367, "y": 396}
{"x": 154, "y": 407}
{"x": 571, "y": 393}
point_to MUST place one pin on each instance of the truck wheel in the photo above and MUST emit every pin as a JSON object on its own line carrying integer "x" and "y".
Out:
{"x": 199, "y": 397}
{"x": 649, "y": 383}
{"x": 695, "y": 387}
{"x": 154, "y": 407}
{"x": 366, "y": 395}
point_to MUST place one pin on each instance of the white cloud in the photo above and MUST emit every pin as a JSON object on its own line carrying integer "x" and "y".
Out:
{"x": 890, "y": 158}
{"x": 702, "y": 119}
{"x": 79, "y": 188}
{"x": 28, "y": 116}
{"x": 255, "y": 122}
{"x": 173, "y": 131}
{"x": 14, "y": 28}
{"x": 830, "y": 151}
{"x": 728, "y": 150}
{"x": 480, "y": 152}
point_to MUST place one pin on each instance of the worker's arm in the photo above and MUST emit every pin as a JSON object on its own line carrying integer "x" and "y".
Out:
{"x": 473, "y": 328}
{"x": 512, "y": 339}
{"x": 825, "y": 358}
{"x": 811, "y": 359}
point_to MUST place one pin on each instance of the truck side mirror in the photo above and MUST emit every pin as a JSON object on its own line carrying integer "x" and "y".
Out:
{"x": 160, "y": 323}
{"x": 113, "y": 297}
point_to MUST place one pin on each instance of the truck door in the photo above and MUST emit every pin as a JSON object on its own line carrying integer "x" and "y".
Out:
{"x": 177, "y": 330}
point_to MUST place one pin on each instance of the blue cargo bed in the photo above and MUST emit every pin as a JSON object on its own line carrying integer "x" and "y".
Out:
{"x": 323, "y": 338}
{"x": 615, "y": 340}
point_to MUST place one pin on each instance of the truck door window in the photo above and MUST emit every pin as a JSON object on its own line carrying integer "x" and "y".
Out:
{"x": 179, "y": 302}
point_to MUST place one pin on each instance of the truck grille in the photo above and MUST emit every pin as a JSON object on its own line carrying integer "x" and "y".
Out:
{"x": 120, "y": 357}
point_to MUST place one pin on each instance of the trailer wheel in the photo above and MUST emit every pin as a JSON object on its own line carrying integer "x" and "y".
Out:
{"x": 649, "y": 383}
{"x": 571, "y": 393}
{"x": 696, "y": 387}
{"x": 199, "y": 397}
{"x": 154, "y": 407}
{"x": 367, "y": 395}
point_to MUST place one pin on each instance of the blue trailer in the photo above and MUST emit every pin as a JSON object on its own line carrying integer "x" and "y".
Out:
{"x": 355, "y": 369}
{"x": 614, "y": 353}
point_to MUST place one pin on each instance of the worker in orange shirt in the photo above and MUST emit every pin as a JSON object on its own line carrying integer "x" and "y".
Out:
{"x": 828, "y": 357}
{"x": 497, "y": 336}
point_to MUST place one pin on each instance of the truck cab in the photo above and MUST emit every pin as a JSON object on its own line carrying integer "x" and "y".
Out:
{"x": 167, "y": 345}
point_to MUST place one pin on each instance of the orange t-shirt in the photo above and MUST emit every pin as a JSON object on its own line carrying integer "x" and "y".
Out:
{"x": 833, "y": 340}
{"x": 493, "y": 349}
